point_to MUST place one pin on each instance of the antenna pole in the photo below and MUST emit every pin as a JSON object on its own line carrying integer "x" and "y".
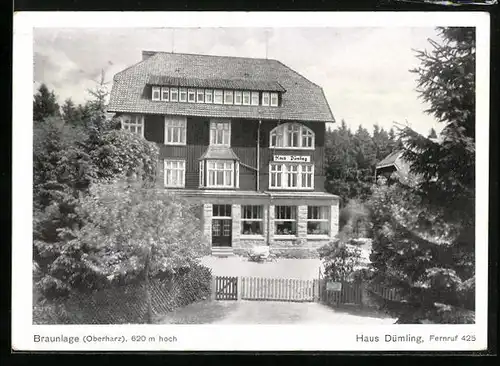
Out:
{"x": 267, "y": 42}
{"x": 173, "y": 39}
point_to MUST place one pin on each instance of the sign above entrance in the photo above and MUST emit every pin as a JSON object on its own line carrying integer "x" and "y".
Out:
{"x": 292, "y": 158}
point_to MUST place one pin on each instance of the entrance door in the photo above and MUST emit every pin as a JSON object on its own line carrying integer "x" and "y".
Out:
{"x": 221, "y": 226}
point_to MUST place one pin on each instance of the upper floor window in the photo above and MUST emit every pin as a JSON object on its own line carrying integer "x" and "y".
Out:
{"x": 291, "y": 176}
{"x": 292, "y": 135}
{"x": 220, "y": 133}
{"x": 156, "y": 93}
{"x": 175, "y": 171}
{"x": 228, "y": 97}
{"x": 165, "y": 94}
{"x": 255, "y": 98}
{"x": 200, "y": 96}
{"x": 246, "y": 98}
{"x": 237, "y": 97}
{"x": 218, "y": 96}
{"x": 265, "y": 98}
{"x": 174, "y": 94}
{"x": 182, "y": 95}
{"x": 175, "y": 130}
{"x": 208, "y": 95}
{"x": 191, "y": 96}
{"x": 133, "y": 123}
{"x": 220, "y": 173}
{"x": 274, "y": 99}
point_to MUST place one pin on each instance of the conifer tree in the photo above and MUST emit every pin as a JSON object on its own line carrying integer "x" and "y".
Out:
{"x": 45, "y": 104}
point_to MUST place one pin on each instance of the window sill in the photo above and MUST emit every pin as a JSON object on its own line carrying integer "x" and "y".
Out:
{"x": 318, "y": 237}
{"x": 174, "y": 144}
{"x": 165, "y": 186}
{"x": 285, "y": 237}
{"x": 290, "y": 189}
{"x": 291, "y": 148}
{"x": 252, "y": 237}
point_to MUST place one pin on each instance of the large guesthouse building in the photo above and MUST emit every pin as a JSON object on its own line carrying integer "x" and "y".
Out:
{"x": 241, "y": 137}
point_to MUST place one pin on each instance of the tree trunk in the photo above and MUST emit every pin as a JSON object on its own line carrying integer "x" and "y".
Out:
{"x": 149, "y": 315}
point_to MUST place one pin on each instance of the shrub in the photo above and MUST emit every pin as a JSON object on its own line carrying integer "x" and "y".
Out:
{"x": 340, "y": 261}
{"x": 295, "y": 253}
{"x": 354, "y": 220}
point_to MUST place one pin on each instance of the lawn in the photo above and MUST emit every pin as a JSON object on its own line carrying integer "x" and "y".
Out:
{"x": 305, "y": 269}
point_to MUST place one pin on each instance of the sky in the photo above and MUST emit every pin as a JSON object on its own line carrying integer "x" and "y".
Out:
{"x": 364, "y": 71}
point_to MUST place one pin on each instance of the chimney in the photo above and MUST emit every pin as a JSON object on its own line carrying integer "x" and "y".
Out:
{"x": 147, "y": 54}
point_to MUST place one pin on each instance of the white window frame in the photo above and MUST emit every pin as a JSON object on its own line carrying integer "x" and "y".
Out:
{"x": 164, "y": 97}
{"x": 225, "y": 127}
{"x": 254, "y": 98}
{"x": 275, "y": 97}
{"x": 130, "y": 122}
{"x": 252, "y": 218}
{"x": 174, "y": 91}
{"x": 281, "y": 133}
{"x": 175, "y": 123}
{"x": 156, "y": 90}
{"x": 246, "y": 94}
{"x": 183, "y": 92}
{"x": 324, "y": 216}
{"x": 202, "y": 174}
{"x": 192, "y": 92}
{"x": 293, "y": 218}
{"x": 218, "y": 93}
{"x": 214, "y": 166}
{"x": 238, "y": 97}
{"x": 198, "y": 93}
{"x": 266, "y": 98}
{"x": 174, "y": 166}
{"x": 228, "y": 94}
{"x": 209, "y": 93}
{"x": 281, "y": 173}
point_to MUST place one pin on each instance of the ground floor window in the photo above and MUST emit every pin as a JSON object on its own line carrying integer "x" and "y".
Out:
{"x": 318, "y": 220}
{"x": 285, "y": 220}
{"x": 251, "y": 220}
{"x": 174, "y": 173}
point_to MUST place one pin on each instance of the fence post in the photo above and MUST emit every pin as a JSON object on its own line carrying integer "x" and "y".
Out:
{"x": 238, "y": 288}
{"x": 213, "y": 287}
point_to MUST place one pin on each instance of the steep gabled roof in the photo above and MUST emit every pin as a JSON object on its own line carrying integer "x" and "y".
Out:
{"x": 302, "y": 100}
{"x": 389, "y": 159}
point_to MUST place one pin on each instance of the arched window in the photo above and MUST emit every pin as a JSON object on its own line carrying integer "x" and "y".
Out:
{"x": 292, "y": 135}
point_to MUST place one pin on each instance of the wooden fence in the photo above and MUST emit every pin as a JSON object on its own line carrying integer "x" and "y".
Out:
{"x": 226, "y": 288}
{"x": 278, "y": 289}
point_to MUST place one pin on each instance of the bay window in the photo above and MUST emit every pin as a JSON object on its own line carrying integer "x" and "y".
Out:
{"x": 318, "y": 220}
{"x": 174, "y": 171}
{"x": 285, "y": 220}
{"x": 291, "y": 135}
{"x": 251, "y": 220}
{"x": 175, "y": 130}
{"x": 291, "y": 176}
{"x": 220, "y": 173}
{"x": 133, "y": 123}
{"x": 220, "y": 133}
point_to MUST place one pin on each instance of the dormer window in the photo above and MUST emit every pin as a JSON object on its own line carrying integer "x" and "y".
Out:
{"x": 183, "y": 95}
{"x": 228, "y": 97}
{"x": 246, "y": 98}
{"x": 208, "y": 95}
{"x": 255, "y": 98}
{"x": 156, "y": 93}
{"x": 174, "y": 94}
{"x": 200, "y": 96}
{"x": 291, "y": 135}
{"x": 191, "y": 96}
{"x": 274, "y": 99}
{"x": 237, "y": 97}
{"x": 218, "y": 96}
{"x": 265, "y": 98}
{"x": 165, "y": 94}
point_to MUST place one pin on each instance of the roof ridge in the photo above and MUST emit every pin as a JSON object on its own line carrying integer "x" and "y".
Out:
{"x": 207, "y": 55}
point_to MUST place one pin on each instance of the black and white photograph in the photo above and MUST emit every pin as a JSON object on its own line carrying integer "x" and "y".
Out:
{"x": 282, "y": 176}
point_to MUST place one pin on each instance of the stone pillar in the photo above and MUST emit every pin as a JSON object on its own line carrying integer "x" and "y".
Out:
{"x": 302, "y": 224}
{"x": 207, "y": 223}
{"x": 334, "y": 219}
{"x": 265, "y": 218}
{"x": 236, "y": 226}
{"x": 270, "y": 209}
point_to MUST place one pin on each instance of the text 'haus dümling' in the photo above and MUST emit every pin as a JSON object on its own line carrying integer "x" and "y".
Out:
{"x": 243, "y": 138}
